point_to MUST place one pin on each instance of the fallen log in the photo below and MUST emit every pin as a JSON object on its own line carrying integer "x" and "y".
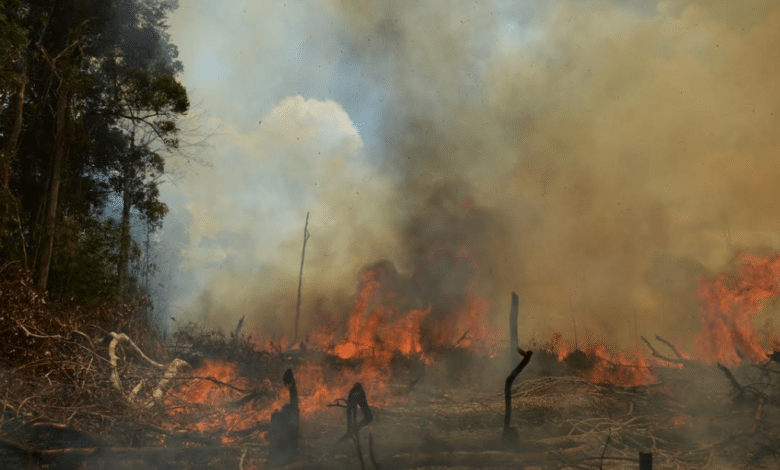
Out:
{"x": 171, "y": 370}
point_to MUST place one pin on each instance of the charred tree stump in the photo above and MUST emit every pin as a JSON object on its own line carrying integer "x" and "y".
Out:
{"x": 355, "y": 399}
{"x": 775, "y": 356}
{"x": 283, "y": 433}
{"x": 510, "y": 433}
{"x": 645, "y": 461}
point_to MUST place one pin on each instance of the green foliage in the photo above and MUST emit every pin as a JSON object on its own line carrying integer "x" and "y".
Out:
{"x": 85, "y": 266}
{"x": 13, "y": 38}
{"x": 119, "y": 68}
{"x": 155, "y": 90}
{"x": 152, "y": 209}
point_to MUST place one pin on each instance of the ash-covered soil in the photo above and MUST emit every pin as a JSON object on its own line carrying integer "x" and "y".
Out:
{"x": 693, "y": 418}
{"x": 450, "y": 415}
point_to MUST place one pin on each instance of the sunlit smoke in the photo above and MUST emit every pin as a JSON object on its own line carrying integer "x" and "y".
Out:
{"x": 596, "y": 157}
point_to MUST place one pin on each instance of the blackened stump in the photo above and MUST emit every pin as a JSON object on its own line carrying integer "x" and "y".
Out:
{"x": 355, "y": 399}
{"x": 283, "y": 433}
{"x": 645, "y": 461}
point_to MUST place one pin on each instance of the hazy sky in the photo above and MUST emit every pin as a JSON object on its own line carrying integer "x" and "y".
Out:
{"x": 615, "y": 151}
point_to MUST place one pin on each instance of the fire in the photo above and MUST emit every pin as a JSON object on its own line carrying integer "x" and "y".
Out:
{"x": 599, "y": 363}
{"x": 224, "y": 409}
{"x": 389, "y": 321}
{"x": 376, "y": 333}
{"x": 680, "y": 420}
{"x": 729, "y": 304}
{"x": 218, "y": 385}
{"x": 383, "y": 325}
{"x": 380, "y": 326}
{"x": 618, "y": 368}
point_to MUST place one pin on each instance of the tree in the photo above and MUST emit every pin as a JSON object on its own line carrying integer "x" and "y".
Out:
{"x": 141, "y": 98}
{"x": 66, "y": 74}
{"x": 147, "y": 104}
{"x": 13, "y": 82}
{"x": 96, "y": 83}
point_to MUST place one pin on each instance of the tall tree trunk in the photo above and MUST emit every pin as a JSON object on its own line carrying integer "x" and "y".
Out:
{"x": 13, "y": 143}
{"x": 9, "y": 157}
{"x": 54, "y": 187}
{"x": 124, "y": 245}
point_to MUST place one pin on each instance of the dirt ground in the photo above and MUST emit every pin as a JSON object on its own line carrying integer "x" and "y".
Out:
{"x": 450, "y": 415}
{"x": 691, "y": 419}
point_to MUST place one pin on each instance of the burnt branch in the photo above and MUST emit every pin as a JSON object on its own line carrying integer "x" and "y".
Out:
{"x": 671, "y": 346}
{"x": 462, "y": 337}
{"x": 659, "y": 355}
{"x": 355, "y": 399}
{"x": 510, "y": 433}
{"x": 733, "y": 380}
{"x": 604, "y": 452}
{"x": 171, "y": 370}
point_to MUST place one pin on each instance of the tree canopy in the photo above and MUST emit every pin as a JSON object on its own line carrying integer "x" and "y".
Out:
{"x": 89, "y": 105}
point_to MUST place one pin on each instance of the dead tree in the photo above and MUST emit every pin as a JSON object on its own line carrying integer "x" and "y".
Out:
{"x": 513, "y": 341}
{"x": 300, "y": 278}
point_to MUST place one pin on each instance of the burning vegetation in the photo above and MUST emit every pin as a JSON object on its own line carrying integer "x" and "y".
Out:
{"x": 603, "y": 159}
{"x": 416, "y": 394}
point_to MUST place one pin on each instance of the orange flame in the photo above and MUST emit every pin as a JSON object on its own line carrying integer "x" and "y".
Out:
{"x": 377, "y": 331}
{"x": 215, "y": 395}
{"x": 217, "y": 407}
{"x": 381, "y": 326}
{"x": 729, "y": 304}
{"x": 599, "y": 363}
{"x": 377, "y": 335}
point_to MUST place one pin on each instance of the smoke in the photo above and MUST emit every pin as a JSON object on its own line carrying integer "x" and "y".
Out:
{"x": 602, "y": 141}
{"x": 595, "y": 157}
{"x": 246, "y": 218}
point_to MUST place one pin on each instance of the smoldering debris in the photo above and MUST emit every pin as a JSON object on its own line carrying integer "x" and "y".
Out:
{"x": 218, "y": 408}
